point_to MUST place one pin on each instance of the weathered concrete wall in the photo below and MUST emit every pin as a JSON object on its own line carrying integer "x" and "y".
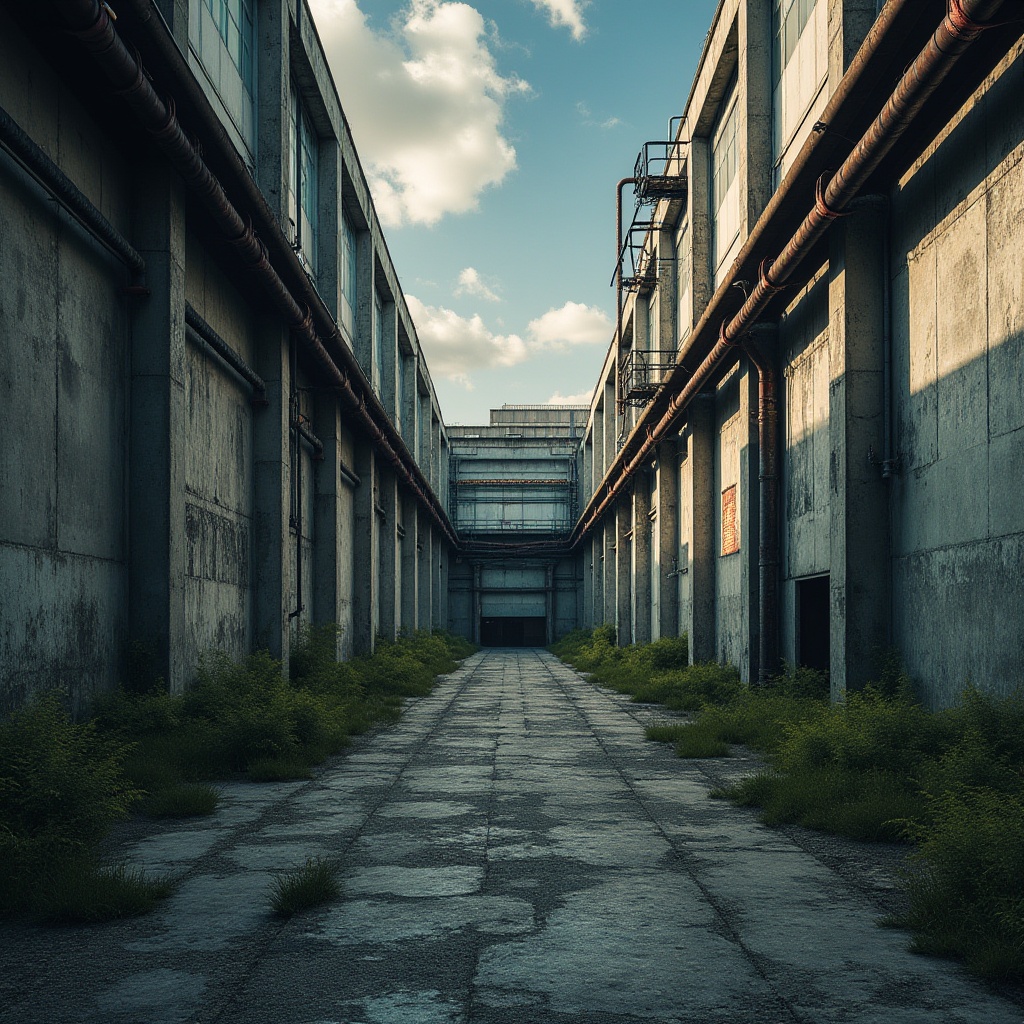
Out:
{"x": 958, "y": 368}
{"x": 63, "y": 401}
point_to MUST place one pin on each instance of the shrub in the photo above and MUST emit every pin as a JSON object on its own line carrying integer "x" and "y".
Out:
{"x": 181, "y": 800}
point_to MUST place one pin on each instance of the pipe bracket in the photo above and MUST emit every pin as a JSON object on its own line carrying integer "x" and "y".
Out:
{"x": 820, "y": 205}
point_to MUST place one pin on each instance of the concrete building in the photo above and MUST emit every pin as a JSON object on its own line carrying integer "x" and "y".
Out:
{"x": 808, "y": 435}
{"x": 514, "y": 495}
{"x": 806, "y": 440}
{"x": 218, "y": 424}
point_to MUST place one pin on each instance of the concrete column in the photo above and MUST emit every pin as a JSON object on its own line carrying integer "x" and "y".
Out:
{"x": 387, "y": 526}
{"x": 477, "y": 607}
{"x": 425, "y": 612}
{"x": 610, "y": 589}
{"x": 848, "y": 24}
{"x": 610, "y": 417}
{"x": 623, "y": 526}
{"x": 641, "y": 559}
{"x": 703, "y": 540}
{"x": 410, "y": 564}
{"x": 389, "y": 371}
{"x": 860, "y": 570}
{"x": 597, "y": 574}
{"x": 436, "y": 622}
{"x": 328, "y": 574}
{"x": 156, "y": 509}
{"x": 365, "y": 290}
{"x": 586, "y": 570}
{"x": 444, "y": 581}
{"x": 366, "y": 570}
{"x": 272, "y": 106}
{"x": 667, "y": 538}
{"x": 755, "y": 95}
{"x": 549, "y": 603}
{"x": 699, "y": 199}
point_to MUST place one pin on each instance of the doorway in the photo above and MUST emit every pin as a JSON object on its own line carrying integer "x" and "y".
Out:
{"x": 813, "y": 639}
{"x": 513, "y": 631}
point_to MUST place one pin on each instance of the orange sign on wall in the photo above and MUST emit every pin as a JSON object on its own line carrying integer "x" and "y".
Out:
{"x": 730, "y": 532}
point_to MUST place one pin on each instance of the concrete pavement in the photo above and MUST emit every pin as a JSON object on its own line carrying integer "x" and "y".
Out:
{"x": 513, "y": 851}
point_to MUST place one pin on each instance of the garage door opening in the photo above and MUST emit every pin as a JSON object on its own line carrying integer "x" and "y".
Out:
{"x": 813, "y": 637}
{"x": 513, "y": 631}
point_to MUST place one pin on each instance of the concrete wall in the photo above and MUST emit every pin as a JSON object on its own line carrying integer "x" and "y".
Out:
{"x": 150, "y": 508}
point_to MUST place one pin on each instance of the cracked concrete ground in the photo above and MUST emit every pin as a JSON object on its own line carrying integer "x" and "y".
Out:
{"x": 513, "y": 851}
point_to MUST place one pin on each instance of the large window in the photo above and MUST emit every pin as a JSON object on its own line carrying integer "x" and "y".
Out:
{"x": 303, "y": 194}
{"x": 683, "y": 276}
{"x": 234, "y": 22}
{"x": 799, "y": 67}
{"x": 222, "y": 37}
{"x": 377, "y": 370}
{"x": 725, "y": 191}
{"x": 348, "y": 275}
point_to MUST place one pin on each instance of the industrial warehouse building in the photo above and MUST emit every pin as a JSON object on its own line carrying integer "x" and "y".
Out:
{"x": 806, "y": 442}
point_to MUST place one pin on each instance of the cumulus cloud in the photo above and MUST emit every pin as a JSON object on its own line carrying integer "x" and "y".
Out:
{"x": 455, "y": 345}
{"x": 565, "y": 13}
{"x": 470, "y": 283}
{"x": 573, "y": 324}
{"x": 583, "y": 398}
{"x": 426, "y": 104}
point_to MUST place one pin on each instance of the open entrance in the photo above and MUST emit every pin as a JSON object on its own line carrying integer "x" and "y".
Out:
{"x": 813, "y": 639}
{"x": 513, "y": 631}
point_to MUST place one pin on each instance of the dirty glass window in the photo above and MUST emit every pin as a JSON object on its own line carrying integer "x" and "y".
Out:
{"x": 234, "y": 22}
{"x": 348, "y": 274}
{"x": 683, "y": 272}
{"x": 378, "y": 342}
{"x": 303, "y": 172}
{"x": 725, "y": 193}
{"x": 799, "y": 66}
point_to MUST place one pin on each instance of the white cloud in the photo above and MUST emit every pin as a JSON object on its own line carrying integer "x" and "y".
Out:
{"x": 455, "y": 345}
{"x": 470, "y": 283}
{"x": 583, "y": 398}
{"x": 588, "y": 118}
{"x": 573, "y": 324}
{"x": 426, "y": 104}
{"x": 567, "y": 13}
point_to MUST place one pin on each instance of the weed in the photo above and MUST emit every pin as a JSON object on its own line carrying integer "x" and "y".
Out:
{"x": 668, "y": 732}
{"x": 303, "y": 888}
{"x": 82, "y": 891}
{"x": 283, "y": 768}
{"x": 181, "y": 800}
{"x": 697, "y": 740}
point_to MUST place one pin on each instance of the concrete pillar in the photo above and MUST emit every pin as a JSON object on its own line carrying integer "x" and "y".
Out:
{"x": 156, "y": 509}
{"x": 623, "y": 525}
{"x": 610, "y": 416}
{"x": 667, "y": 539}
{"x": 444, "y": 584}
{"x": 389, "y": 370}
{"x": 410, "y": 564}
{"x": 586, "y": 572}
{"x": 387, "y": 534}
{"x": 477, "y": 605}
{"x": 549, "y": 604}
{"x": 703, "y": 540}
{"x": 609, "y": 613}
{"x": 365, "y": 291}
{"x": 366, "y": 570}
{"x": 597, "y": 575}
{"x": 328, "y": 574}
{"x": 641, "y": 559}
{"x": 860, "y": 571}
{"x": 755, "y": 94}
{"x": 436, "y": 621}
{"x": 425, "y": 613}
{"x": 699, "y": 199}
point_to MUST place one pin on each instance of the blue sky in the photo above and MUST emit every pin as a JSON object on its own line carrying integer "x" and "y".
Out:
{"x": 493, "y": 134}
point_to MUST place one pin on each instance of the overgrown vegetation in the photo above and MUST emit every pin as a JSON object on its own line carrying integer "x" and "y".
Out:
{"x": 305, "y": 887}
{"x": 877, "y": 766}
{"x": 63, "y": 784}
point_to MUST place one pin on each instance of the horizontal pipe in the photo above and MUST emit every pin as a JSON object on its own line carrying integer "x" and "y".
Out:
{"x": 311, "y": 439}
{"x": 68, "y": 194}
{"x": 209, "y": 337}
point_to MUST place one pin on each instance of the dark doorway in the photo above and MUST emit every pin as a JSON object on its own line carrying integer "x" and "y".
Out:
{"x": 813, "y": 641}
{"x": 513, "y": 631}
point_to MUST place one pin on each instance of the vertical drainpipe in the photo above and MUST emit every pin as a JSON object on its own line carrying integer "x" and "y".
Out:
{"x": 762, "y": 355}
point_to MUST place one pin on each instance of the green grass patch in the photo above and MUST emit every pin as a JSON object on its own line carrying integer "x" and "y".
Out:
{"x": 697, "y": 740}
{"x": 83, "y": 892}
{"x": 63, "y": 784}
{"x": 305, "y": 887}
{"x": 181, "y": 800}
{"x": 667, "y": 732}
